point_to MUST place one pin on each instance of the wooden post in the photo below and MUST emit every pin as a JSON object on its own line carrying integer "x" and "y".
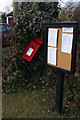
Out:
{"x": 59, "y": 92}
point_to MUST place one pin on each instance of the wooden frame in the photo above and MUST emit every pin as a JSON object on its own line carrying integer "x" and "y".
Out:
{"x": 65, "y": 62}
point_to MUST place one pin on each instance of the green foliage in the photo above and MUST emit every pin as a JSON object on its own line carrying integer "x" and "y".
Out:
{"x": 72, "y": 90}
{"x": 29, "y": 24}
{"x": 16, "y": 76}
{"x": 64, "y": 17}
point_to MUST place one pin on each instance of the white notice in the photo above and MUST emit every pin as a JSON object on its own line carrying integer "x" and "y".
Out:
{"x": 67, "y": 40}
{"x": 52, "y": 37}
{"x": 67, "y": 29}
{"x": 29, "y": 52}
{"x": 52, "y": 55}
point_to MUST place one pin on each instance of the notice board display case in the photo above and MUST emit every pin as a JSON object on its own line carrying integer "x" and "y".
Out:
{"x": 60, "y": 45}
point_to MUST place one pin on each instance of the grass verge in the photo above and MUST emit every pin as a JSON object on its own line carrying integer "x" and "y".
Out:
{"x": 35, "y": 104}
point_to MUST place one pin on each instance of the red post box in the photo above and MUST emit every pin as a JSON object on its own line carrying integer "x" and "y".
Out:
{"x": 30, "y": 50}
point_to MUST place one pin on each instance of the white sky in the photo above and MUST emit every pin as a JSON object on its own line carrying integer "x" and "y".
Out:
{"x": 5, "y": 5}
{"x": 65, "y": 1}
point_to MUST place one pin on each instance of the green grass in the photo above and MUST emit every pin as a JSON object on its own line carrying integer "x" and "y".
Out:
{"x": 35, "y": 104}
{"x": 28, "y": 104}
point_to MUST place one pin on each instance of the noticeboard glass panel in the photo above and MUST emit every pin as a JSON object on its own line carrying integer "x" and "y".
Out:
{"x": 60, "y": 45}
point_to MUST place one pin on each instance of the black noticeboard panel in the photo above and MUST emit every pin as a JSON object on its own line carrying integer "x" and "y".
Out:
{"x": 60, "y": 45}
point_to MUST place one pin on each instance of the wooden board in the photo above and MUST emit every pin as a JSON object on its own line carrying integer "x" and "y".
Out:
{"x": 63, "y": 59}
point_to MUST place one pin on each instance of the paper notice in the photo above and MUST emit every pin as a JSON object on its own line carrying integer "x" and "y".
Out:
{"x": 67, "y": 40}
{"x": 52, "y": 55}
{"x": 67, "y": 29}
{"x": 52, "y": 37}
{"x": 29, "y": 52}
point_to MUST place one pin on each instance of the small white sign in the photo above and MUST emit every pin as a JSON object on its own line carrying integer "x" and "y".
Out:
{"x": 67, "y": 29}
{"x": 52, "y": 55}
{"x": 52, "y": 37}
{"x": 67, "y": 40}
{"x": 29, "y": 52}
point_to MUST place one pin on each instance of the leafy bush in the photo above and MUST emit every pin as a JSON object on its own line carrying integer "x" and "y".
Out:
{"x": 29, "y": 24}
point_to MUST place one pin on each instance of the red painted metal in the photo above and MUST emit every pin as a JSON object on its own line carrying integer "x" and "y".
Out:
{"x": 30, "y": 50}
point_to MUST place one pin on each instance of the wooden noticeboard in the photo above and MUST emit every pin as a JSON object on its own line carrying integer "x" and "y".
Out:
{"x": 60, "y": 45}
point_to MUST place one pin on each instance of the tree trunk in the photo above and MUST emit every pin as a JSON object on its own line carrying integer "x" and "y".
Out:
{"x": 15, "y": 9}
